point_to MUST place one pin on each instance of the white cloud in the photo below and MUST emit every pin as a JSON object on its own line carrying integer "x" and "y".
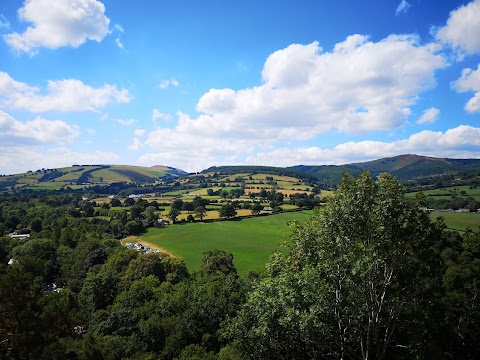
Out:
{"x": 403, "y": 7}
{"x": 460, "y": 142}
{"x": 35, "y": 132}
{"x": 470, "y": 81}
{"x": 119, "y": 43}
{"x": 126, "y": 122}
{"x": 135, "y": 145}
{"x": 59, "y": 23}
{"x": 429, "y": 116}
{"x": 4, "y": 23}
{"x": 167, "y": 83}
{"x": 462, "y": 28}
{"x": 119, "y": 27}
{"x": 139, "y": 132}
{"x": 156, "y": 115}
{"x": 61, "y": 95}
{"x": 358, "y": 87}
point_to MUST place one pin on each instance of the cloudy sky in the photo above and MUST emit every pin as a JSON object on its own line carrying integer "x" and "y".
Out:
{"x": 195, "y": 83}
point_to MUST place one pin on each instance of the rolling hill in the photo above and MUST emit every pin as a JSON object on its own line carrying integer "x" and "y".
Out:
{"x": 404, "y": 167}
{"x": 84, "y": 175}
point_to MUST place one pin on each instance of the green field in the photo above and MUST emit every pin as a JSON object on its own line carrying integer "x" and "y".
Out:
{"x": 459, "y": 221}
{"x": 449, "y": 192}
{"x": 251, "y": 241}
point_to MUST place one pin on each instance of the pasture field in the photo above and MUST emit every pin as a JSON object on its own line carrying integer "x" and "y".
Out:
{"x": 449, "y": 192}
{"x": 44, "y": 187}
{"x": 251, "y": 241}
{"x": 110, "y": 174}
{"x": 459, "y": 221}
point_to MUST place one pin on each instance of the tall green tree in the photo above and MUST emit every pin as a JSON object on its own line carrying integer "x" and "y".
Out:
{"x": 356, "y": 283}
{"x": 227, "y": 211}
{"x": 256, "y": 208}
{"x": 173, "y": 214}
{"x": 200, "y": 212}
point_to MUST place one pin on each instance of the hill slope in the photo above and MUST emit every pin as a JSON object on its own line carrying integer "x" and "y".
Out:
{"x": 82, "y": 175}
{"x": 404, "y": 167}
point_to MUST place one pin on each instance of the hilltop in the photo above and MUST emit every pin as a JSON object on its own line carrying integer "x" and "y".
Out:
{"x": 408, "y": 167}
{"x": 78, "y": 176}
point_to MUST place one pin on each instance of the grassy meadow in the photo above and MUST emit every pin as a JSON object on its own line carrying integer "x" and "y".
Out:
{"x": 251, "y": 241}
{"x": 459, "y": 221}
{"x": 449, "y": 192}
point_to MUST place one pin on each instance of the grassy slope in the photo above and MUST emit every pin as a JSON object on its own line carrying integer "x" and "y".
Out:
{"x": 459, "y": 221}
{"x": 251, "y": 241}
{"x": 121, "y": 173}
{"x": 448, "y": 192}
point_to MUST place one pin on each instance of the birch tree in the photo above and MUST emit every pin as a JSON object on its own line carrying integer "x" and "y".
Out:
{"x": 357, "y": 275}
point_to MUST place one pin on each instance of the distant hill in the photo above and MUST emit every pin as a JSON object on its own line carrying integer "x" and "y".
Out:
{"x": 404, "y": 167}
{"x": 82, "y": 175}
{"x": 252, "y": 169}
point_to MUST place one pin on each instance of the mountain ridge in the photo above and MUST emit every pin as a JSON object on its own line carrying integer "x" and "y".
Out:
{"x": 404, "y": 167}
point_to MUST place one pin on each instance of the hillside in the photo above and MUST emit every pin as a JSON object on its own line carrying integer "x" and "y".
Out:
{"x": 232, "y": 170}
{"x": 404, "y": 167}
{"x": 86, "y": 175}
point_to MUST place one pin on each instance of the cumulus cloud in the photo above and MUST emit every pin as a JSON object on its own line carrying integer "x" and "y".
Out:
{"x": 167, "y": 83}
{"x": 35, "y": 132}
{"x": 429, "y": 116}
{"x": 470, "y": 81}
{"x": 403, "y": 7}
{"x": 459, "y": 142}
{"x": 119, "y": 27}
{"x": 59, "y": 23}
{"x": 157, "y": 114}
{"x": 359, "y": 86}
{"x": 462, "y": 28}
{"x": 135, "y": 145}
{"x": 61, "y": 95}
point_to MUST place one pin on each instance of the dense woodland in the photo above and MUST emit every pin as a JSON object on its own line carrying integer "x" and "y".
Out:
{"x": 369, "y": 276}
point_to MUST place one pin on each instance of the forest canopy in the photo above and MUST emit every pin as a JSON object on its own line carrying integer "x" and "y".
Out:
{"x": 368, "y": 276}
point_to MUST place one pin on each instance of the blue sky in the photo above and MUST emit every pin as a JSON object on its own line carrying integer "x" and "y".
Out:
{"x": 191, "y": 84}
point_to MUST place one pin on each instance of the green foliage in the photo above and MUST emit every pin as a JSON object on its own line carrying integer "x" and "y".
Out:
{"x": 462, "y": 284}
{"x": 195, "y": 352}
{"x": 145, "y": 265}
{"x": 200, "y": 212}
{"x": 218, "y": 261}
{"x": 363, "y": 278}
{"x": 173, "y": 214}
{"x": 355, "y": 275}
{"x": 227, "y": 211}
{"x": 256, "y": 208}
